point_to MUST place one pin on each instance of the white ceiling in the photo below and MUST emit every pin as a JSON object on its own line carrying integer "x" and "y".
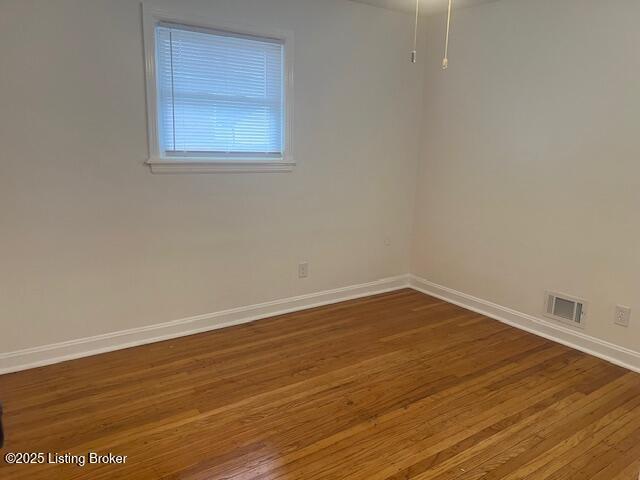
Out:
{"x": 427, "y": 6}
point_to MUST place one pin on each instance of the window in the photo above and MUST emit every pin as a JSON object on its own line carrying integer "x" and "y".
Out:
{"x": 219, "y": 98}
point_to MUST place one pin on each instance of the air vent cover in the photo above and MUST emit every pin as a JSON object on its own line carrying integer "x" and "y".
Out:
{"x": 565, "y": 309}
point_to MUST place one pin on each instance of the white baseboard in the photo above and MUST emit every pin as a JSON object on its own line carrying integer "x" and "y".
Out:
{"x": 580, "y": 341}
{"x": 84, "y": 347}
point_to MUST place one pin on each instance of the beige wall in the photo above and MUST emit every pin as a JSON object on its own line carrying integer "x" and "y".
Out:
{"x": 528, "y": 173}
{"x": 92, "y": 243}
{"x": 530, "y": 169}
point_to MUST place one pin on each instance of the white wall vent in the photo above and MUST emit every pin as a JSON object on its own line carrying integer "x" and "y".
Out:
{"x": 565, "y": 309}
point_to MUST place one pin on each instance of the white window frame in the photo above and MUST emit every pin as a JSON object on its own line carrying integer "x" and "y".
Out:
{"x": 152, "y": 16}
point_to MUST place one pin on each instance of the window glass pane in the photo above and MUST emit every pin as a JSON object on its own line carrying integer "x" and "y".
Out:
{"x": 219, "y": 94}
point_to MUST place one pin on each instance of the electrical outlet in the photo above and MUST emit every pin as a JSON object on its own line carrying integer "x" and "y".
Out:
{"x": 623, "y": 316}
{"x": 303, "y": 270}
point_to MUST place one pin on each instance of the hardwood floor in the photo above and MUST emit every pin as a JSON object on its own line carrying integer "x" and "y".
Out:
{"x": 398, "y": 386}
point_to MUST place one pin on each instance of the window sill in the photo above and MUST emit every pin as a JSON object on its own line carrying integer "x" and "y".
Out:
{"x": 188, "y": 166}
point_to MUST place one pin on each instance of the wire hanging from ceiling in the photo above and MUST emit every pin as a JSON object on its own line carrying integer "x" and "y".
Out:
{"x": 414, "y": 52}
{"x": 445, "y": 60}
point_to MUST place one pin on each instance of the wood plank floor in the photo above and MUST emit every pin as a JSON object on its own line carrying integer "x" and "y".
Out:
{"x": 397, "y": 386}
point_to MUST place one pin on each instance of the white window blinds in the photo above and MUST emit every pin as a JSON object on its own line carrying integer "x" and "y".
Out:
{"x": 220, "y": 95}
